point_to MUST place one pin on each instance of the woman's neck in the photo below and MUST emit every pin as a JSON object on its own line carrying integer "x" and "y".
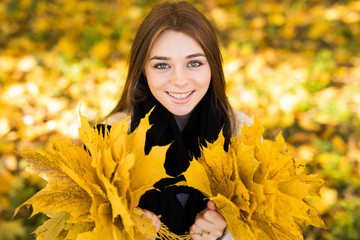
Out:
{"x": 182, "y": 120}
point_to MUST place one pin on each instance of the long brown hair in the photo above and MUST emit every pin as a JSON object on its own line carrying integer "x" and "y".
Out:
{"x": 177, "y": 16}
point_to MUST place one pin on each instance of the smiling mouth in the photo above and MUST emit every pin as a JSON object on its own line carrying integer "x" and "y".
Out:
{"x": 180, "y": 96}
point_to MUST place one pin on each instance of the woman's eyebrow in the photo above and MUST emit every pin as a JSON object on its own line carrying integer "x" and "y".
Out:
{"x": 160, "y": 58}
{"x": 195, "y": 55}
{"x": 187, "y": 57}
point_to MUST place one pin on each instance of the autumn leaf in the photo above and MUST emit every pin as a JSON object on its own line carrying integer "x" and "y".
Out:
{"x": 91, "y": 193}
{"x": 235, "y": 221}
{"x": 74, "y": 229}
{"x": 61, "y": 193}
{"x": 216, "y": 177}
{"x": 256, "y": 186}
{"x": 144, "y": 224}
{"x": 51, "y": 228}
{"x": 197, "y": 178}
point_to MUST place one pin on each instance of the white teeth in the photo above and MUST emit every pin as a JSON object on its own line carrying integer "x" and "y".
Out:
{"x": 179, "y": 95}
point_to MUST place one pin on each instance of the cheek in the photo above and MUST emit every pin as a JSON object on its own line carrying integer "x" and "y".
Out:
{"x": 154, "y": 81}
{"x": 205, "y": 78}
{"x": 208, "y": 79}
{"x": 150, "y": 77}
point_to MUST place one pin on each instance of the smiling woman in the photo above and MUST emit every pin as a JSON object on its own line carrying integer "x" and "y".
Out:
{"x": 178, "y": 73}
{"x": 175, "y": 69}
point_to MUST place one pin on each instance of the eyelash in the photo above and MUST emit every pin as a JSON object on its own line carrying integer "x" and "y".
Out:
{"x": 198, "y": 63}
{"x": 162, "y": 66}
{"x": 158, "y": 66}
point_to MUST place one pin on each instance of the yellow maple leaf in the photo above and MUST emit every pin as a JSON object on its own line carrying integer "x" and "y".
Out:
{"x": 216, "y": 177}
{"x": 52, "y": 227}
{"x": 61, "y": 193}
{"x": 256, "y": 186}
{"x": 237, "y": 224}
{"x": 97, "y": 188}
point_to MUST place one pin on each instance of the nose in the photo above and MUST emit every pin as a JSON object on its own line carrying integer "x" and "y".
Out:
{"x": 180, "y": 77}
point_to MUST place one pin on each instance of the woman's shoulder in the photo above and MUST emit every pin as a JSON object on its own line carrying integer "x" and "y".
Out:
{"x": 116, "y": 117}
{"x": 241, "y": 119}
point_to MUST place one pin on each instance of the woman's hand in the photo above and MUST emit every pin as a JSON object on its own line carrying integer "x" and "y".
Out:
{"x": 209, "y": 222}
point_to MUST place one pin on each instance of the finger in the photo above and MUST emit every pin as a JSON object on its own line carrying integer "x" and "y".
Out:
{"x": 212, "y": 221}
{"x": 201, "y": 232}
{"x": 157, "y": 224}
{"x": 149, "y": 214}
{"x": 211, "y": 216}
{"x": 202, "y": 223}
{"x": 211, "y": 205}
{"x": 195, "y": 232}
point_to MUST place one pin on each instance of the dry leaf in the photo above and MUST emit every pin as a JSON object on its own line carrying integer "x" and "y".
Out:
{"x": 255, "y": 186}
{"x": 51, "y": 228}
{"x": 92, "y": 192}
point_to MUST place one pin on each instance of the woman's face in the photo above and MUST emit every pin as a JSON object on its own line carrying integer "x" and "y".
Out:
{"x": 177, "y": 72}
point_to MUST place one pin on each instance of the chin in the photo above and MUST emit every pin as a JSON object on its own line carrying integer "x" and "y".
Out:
{"x": 177, "y": 111}
{"x": 180, "y": 112}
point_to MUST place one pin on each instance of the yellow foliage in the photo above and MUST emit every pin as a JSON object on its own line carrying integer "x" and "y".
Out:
{"x": 5, "y": 179}
{"x": 91, "y": 194}
{"x": 66, "y": 46}
{"x": 102, "y": 49}
{"x": 51, "y": 52}
{"x": 52, "y": 227}
{"x": 318, "y": 29}
{"x": 256, "y": 186}
{"x": 11, "y": 229}
{"x": 339, "y": 144}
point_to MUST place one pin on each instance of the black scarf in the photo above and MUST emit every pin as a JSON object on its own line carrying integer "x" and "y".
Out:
{"x": 204, "y": 124}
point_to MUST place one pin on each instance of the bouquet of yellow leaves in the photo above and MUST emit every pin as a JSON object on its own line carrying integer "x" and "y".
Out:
{"x": 256, "y": 186}
{"x": 91, "y": 194}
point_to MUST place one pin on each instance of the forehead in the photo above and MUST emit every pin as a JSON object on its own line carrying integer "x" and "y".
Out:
{"x": 176, "y": 43}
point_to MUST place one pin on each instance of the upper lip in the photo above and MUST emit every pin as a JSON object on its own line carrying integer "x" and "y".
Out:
{"x": 180, "y": 92}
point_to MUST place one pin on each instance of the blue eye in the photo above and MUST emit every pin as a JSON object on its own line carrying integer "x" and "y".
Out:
{"x": 161, "y": 66}
{"x": 194, "y": 64}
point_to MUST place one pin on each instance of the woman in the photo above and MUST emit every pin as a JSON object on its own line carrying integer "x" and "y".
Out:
{"x": 175, "y": 66}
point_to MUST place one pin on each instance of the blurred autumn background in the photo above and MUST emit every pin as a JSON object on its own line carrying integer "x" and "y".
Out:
{"x": 295, "y": 64}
